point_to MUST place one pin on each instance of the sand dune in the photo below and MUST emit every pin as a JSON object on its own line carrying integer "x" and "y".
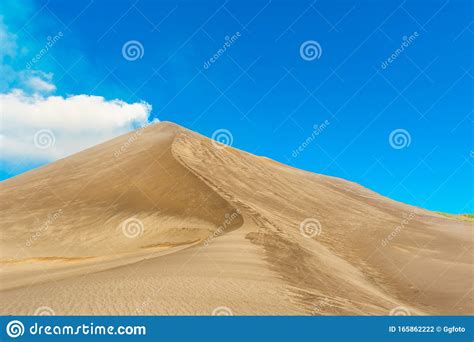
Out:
{"x": 165, "y": 221}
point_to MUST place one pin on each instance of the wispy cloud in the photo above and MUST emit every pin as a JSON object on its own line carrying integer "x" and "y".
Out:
{"x": 41, "y": 83}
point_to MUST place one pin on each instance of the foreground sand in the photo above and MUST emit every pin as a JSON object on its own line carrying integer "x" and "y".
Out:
{"x": 165, "y": 221}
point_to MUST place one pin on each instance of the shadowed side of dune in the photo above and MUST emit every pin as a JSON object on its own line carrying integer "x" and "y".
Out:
{"x": 123, "y": 197}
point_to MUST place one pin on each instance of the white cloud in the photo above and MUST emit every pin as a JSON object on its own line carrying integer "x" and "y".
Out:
{"x": 40, "y": 85}
{"x": 76, "y": 122}
{"x": 36, "y": 126}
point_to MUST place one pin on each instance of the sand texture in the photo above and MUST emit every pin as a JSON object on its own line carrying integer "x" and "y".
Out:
{"x": 163, "y": 221}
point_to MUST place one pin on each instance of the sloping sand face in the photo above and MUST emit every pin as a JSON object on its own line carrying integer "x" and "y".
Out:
{"x": 165, "y": 221}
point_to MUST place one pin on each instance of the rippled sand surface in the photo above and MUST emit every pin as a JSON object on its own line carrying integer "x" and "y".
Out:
{"x": 163, "y": 221}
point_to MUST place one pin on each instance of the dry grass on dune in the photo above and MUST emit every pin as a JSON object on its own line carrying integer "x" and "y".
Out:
{"x": 165, "y": 221}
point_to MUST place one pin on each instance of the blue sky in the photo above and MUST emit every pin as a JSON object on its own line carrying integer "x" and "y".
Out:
{"x": 380, "y": 67}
